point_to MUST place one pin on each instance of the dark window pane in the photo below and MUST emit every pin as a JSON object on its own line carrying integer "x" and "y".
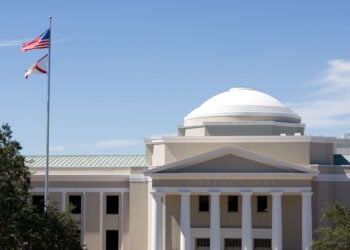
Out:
{"x": 233, "y": 242}
{"x": 38, "y": 201}
{"x": 203, "y": 203}
{"x": 232, "y": 203}
{"x": 262, "y": 203}
{"x": 112, "y": 204}
{"x": 203, "y": 242}
{"x": 112, "y": 240}
{"x": 263, "y": 243}
{"x": 75, "y": 200}
{"x": 78, "y": 234}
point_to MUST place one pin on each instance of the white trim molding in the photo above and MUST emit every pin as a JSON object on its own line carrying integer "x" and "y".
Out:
{"x": 238, "y": 190}
{"x": 333, "y": 177}
{"x": 80, "y": 189}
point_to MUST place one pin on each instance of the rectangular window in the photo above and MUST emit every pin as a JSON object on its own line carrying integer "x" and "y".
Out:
{"x": 203, "y": 203}
{"x": 112, "y": 240}
{"x": 232, "y": 203}
{"x": 75, "y": 201}
{"x": 112, "y": 204}
{"x": 233, "y": 242}
{"x": 38, "y": 201}
{"x": 203, "y": 242}
{"x": 262, "y": 243}
{"x": 78, "y": 234}
{"x": 262, "y": 203}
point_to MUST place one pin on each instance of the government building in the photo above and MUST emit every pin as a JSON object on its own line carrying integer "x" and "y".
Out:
{"x": 240, "y": 174}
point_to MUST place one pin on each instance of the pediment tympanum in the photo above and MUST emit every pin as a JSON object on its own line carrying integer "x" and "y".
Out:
{"x": 231, "y": 159}
{"x": 226, "y": 164}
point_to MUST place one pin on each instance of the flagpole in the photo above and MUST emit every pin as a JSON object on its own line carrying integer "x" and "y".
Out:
{"x": 48, "y": 123}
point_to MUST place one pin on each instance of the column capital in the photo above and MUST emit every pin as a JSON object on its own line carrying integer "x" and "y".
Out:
{"x": 246, "y": 193}
{"x": 185, "y": 193}
{"x": 306, "y": 193}
{"x": 276, "y": 193}
{"x": 157, "y": 194}
{"x": 215, "y": 193}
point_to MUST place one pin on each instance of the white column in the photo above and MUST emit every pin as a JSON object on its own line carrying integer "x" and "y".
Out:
{"x": 101, "y": 220}
{"x": 121, "y": 220}
{"x": 163, "y": 221}
{"x": 247, "y": 240}
{"x": 276, "y": 221}
{"x": 84, "y": 220}
{"x": 306, "y": 216}
{"x": 185, "y": 222}
{"x": 215, "y": 221}
{"x": 158, "y": 220}
{"x": 64, "y": 208}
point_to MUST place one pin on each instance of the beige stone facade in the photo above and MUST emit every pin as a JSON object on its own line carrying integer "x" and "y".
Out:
{"x": 238, "y": 176}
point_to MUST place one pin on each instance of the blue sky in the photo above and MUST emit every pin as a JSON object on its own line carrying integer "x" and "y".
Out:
{"x": 126, "y": 70}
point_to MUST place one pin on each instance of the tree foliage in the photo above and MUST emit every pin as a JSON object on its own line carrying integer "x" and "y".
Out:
{"x": 336, "y": 235}
{"x": 22, "y": 225}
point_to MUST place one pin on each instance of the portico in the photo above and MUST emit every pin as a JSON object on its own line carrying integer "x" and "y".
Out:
{"x": 193, "y": 195}
{"x": 246, "y": 233}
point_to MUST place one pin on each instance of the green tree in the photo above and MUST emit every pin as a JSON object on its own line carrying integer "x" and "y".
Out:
{"x": 22, "y": 225}
{"x": 336, "y": 235}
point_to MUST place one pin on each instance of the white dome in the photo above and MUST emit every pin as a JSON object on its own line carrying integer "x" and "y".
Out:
{"x": 241, "y": 104}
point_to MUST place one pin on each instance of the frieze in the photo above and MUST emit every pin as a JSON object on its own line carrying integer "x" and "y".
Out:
{"x": 230, "y": 183}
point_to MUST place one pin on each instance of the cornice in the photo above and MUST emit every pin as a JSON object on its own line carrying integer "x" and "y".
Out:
{"x": 234, "y": 139}
{"x": 233, "y": 176}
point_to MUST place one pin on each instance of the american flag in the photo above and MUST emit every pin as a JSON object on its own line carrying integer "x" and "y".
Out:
{"x": 41, "y": 42}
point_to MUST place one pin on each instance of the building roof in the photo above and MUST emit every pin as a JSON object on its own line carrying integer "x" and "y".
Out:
{"x": 245, "y": 103}
{"x": 66, "y": 161}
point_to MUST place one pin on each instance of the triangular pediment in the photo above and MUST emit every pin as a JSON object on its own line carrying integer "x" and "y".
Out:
{"x": 231, "y": 159}
{"x": 227, "y": 164}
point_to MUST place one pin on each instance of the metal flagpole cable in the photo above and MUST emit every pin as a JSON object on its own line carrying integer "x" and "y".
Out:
{"x": 48, "y": 123}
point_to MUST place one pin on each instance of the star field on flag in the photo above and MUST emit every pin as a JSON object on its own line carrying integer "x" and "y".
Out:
{"x": 41, "y": 42}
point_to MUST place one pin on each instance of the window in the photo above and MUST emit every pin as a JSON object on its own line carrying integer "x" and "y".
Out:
{"x": 78, "y": 234}
{"x": 232, "y": 203}
{"x": 262, "y": 243}
{"x": 203, "y": 242}
{"x": 203, "y": 203}
{"x": 112, "y": 240}
{"x": 112, "y": 204}
{"x": 38, "y": 201}
{"x": 262, "y": 203}
{"x": 233, "y": 242}
{"x": 75, "y": 200}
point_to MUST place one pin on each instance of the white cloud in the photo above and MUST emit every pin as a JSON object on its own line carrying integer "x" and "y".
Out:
{"x": 108, "y": 146}
{"x": 329, "y": 106}
{"x": 19, "y": 42}
{"x": 57, "y": 148}
{"x": 11, "y": 43}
